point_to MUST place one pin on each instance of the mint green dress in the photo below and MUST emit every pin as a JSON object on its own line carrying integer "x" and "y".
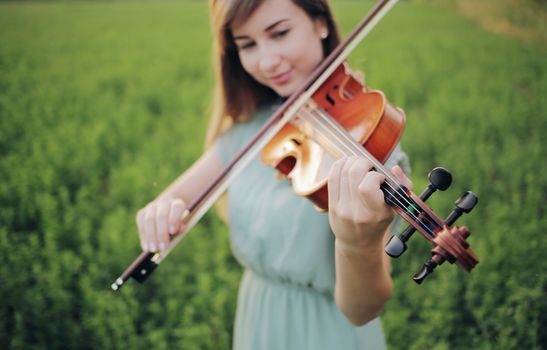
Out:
{"x": 285, "y": 297}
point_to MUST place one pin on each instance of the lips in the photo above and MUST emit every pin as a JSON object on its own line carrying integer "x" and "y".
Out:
{"x": 281, "y": 79}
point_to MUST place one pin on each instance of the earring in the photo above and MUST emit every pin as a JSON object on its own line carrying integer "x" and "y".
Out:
{"x": 324, "y": 35}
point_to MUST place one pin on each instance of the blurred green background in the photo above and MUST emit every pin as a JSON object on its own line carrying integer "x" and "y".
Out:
{"x": 102, "y": 104}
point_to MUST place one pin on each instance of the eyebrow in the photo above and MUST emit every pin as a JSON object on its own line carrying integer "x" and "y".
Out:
{"x": 270, "y": 27}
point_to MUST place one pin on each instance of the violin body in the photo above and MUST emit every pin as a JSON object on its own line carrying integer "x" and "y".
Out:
{"x": 364, "y": 114}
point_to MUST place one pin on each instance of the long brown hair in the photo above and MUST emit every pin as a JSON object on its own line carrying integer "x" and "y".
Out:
{"x": 236, "y": 93}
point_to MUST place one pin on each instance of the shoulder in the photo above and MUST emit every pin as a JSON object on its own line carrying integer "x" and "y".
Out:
{"x": 235, "y": 128}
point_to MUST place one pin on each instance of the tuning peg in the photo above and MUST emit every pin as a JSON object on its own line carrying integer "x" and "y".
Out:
{"x": 439, "y": 179}
{"x": 395, "y": 247}
{"x": 464, "y": 204}
{"x": 425, "y": 271}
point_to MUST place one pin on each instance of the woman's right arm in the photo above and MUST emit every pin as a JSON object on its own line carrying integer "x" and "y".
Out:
{"x": 162, "y": 217}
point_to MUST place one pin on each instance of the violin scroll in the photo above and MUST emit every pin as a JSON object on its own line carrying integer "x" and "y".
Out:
{"x": 449, "y": 244}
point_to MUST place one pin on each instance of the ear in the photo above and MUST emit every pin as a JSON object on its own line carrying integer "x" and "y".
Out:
{"x": 321, "y": 27}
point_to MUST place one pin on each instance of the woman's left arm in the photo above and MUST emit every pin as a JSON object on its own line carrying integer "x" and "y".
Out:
{"x": 360, "y": 220}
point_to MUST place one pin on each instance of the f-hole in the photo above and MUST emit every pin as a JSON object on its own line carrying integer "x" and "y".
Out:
{"x": 329, "y": 97}
{"x": 298, "y": 143}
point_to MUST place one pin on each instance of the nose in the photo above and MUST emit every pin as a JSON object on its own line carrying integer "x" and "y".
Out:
{"x": 269, "y": 59}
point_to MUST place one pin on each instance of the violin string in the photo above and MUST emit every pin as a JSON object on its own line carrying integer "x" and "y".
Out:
{"x": 354, "y": 148}
{"x": 339, "y": 134}
{"x": 358, "y": 151}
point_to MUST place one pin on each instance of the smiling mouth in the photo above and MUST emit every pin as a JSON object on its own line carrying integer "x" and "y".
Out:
{"x": 282, "y": 78}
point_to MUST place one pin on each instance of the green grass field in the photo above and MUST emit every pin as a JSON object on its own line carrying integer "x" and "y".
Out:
{"x": 103, "y": 104}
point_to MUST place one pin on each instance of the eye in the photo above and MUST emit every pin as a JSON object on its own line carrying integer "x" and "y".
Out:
{"x": 280, "y": 33}
{"x": 246, "y": 45}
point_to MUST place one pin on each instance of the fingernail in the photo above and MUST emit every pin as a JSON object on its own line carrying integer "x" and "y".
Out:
{"x": 162, "y": 246}
{"x": 152, "y": 247}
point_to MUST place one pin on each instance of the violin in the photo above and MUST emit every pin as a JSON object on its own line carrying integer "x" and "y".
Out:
{"x": 363, "y": 115}
{"x": 334, "y": 115}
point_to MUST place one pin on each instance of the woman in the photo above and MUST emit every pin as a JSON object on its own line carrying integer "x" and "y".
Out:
{"x": 311, "y": 280}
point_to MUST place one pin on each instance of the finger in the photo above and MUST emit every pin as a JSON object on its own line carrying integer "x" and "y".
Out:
{"x": 150, "y": 228}
{"x": 140, "y": 226}
{"x": 345, "y": 195}
{"x": 162, "y": 236}
{"x": 357, "y": 172}
{"x": 401, "y": 176}
{"x": 334, "y": 181}
{"x": 370, "y": 191}
{"x": 178, "y": 207}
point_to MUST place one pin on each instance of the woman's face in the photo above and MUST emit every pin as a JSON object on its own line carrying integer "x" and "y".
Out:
{"x": 279, "y": 45}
